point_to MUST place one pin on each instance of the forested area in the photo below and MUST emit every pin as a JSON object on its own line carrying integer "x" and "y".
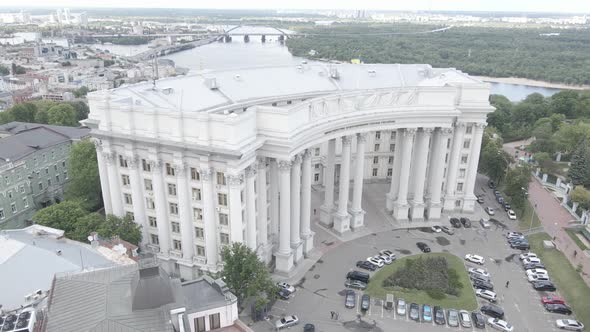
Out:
{"x": 495, "y": 52}
{"x": 47, "y": 112}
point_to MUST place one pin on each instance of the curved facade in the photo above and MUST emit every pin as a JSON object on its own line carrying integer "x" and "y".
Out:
{"x": 217, "y": 157}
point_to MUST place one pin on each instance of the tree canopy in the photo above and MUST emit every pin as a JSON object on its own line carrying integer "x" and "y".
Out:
{"x": 47, "y": 112}
{"x": 84, "y": 181}
{"x": 62, "y": 115}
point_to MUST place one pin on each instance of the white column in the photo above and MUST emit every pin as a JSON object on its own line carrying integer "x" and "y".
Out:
{"x": 341, "y": 217}
{"x": 400, "y": 206}
{"x": 453, "y": 168}
{"x": 114, "y": 184}
{"x": 296, "y": 246}
{"x": 209, "y": 214}
{"x": 328, "y": 206}
{"x": 262, "y": 206}
{"x": 235, "y": 207}
{"x": 274, "y": 199}
{"x": 419, "y": 173}
{"x": 391, "y": 196}
{"x": 470, "y": 199}
{"x": 306, "y": 233}
{"x": 185, "y": 211}
{"x": 104, "y": 178}
{"x": 138, "y": 197}
{"x": 358, "y": 215}
{"x": 161, "y": 206}
{"x": 284, "y": 257}
{"x": 251, "y": 207}
{"x": 436, "y": 172}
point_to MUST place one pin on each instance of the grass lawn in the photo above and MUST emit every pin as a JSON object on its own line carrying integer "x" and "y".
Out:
{"x": 465, "y": 301}
{"x": 524, "y": 220}
{"x": 568, "y": 281}
{"x": 574, "y": 235}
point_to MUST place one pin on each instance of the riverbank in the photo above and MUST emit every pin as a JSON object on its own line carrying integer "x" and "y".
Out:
{"x": 526, "y": 81}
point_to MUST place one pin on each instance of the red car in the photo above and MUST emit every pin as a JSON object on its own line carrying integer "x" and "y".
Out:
{"x": 552, "y": 300}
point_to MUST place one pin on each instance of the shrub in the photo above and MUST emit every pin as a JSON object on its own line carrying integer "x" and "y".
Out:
{"x": 435, "y": 293}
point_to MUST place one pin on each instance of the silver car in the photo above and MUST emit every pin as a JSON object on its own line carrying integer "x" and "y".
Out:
{"x": 453, "y": 317}
{"x": 465, "y": 318}
{"x": 286, "y": 321}
{"x": 401, "y": 307}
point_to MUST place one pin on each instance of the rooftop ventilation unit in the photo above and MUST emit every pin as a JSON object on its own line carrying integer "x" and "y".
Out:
{"x": 237, "y": 77}
{"x": 211, "y": 83}
{"x": 334, "y": 73}
{"x": 372, "y": 72}
{"x": 167, "y": 91}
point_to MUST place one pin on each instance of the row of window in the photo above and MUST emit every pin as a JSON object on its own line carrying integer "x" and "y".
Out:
{"x": 177, "y": 244}
{"x": 14, "y": 208}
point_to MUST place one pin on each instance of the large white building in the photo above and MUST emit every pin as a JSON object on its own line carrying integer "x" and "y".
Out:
{"x": 217, "y": 157}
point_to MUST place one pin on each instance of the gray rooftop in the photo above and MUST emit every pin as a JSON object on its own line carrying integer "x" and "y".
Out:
{"x": 190, "y": 93}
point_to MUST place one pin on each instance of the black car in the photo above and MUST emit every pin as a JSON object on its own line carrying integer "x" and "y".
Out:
{"x": 415, "y": 312}
{"x": 478, "y": 319}
{"x": 558, "y": 308}
{"x": 366, "y": 265}
{"x": 478, "y": 277}
{"x": 491, "y": 184}
{"x": 365, "y": 302}
{"x": 544, "y": 285}
{"x": 466, "y": 222}
{"x": 284, "y": 293}
{"x": 455, "y": 223}
{"x": 521, "y": 246}
{"x": 493, "y": 311}
{"x": 423, "y": 246}
{"x": 517, "y": 239}
{"x": 497, "y": 193}
{"x": 309, "y": 328}
{"x": 358, "y": 275}
{"x": 439, "y": 316}
{"x": 483, "y": 285}
{"x": 534, "y": 266}
{"x": 507, "y": 206}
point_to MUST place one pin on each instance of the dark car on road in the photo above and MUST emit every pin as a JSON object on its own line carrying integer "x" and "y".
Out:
{"x": 455, "y": 222}
{"x": 309, "y": 328}
{"x": 284, "y": 293}
{"x": 492, "y": 311}
{"x": 507, "y": 206}
{"x": 439, "y": 316}
{"x": 366, "y": 265}
{"x": 350, "y": 300}
{"x": 482, "y": 284}
{"x": 558, "y": 308}
{"x": 465, "y": 222}
{"x": 544, "y": 285}
{"x": 365, "y": 302}
{"x": 478, "y": 319}
{"x": 423, "y": 246}
{"x": 358, "y": 275}
{"x": 478, "y": 277}
{"x": 534, "y": 266}
{"x": 415, "y": 312}
{"x": 491, "y": 184}
{"x": 447, "y": 230}
{"x": 520, "y": 246}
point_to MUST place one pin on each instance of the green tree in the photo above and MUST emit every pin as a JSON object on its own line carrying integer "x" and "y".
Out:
{"x": 581, "y": 196}
{"x": 516, "y": 179}
{"x": 24, "y": 112}
{"x": 86, "y": 225}
{"x": 493, "y": 160}
{"x": 64, "y": 216}
{"x": 62, "y": 115}
{"x": 84, "y": 181}
{"x": 564, "y": 102}
{"x": 244, "y": 274}
{"x": 81, "y": 108}
{"x": 570, "y": 136}
{"x": 81, "y": 92}
{"x": 41, "y": 117}
{"x": 579, "y": 171}
{"x": 123, "y": 227}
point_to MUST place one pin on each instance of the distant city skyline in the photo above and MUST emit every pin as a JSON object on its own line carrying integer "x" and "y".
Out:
{"x": 562, "y": 6}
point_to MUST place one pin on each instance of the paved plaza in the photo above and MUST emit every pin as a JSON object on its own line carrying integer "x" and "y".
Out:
{"x": 321, "y": 289}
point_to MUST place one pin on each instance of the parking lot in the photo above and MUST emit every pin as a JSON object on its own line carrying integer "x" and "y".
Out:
{"x": 322, "y": 290}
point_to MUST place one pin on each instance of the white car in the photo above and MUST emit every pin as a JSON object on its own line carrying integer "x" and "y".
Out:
{"x": 513, "y": 235}
{"x": 386, "y": 259}
{"x": 569, "y": 324}
{"x": 474, "y": 259}
{"x": 376, "y": 260}
{"x": 286, "y": 321}
{"x": 536, "y": 271}
{"x": 528, "y": 255}
{"x": 501, "y": 325}
{"x": 486, "y": 294}
{"x": 436, "y": 229}
{"x": 388, "y": 253}
{"x": 401, "y": 307}
{"x": 490, "y": 211}
{"x": 538, "y": 277}
{"x": 481, "y": 272}
{"x": 511, "y": 215}
{"x": 531, "y": 260}
{"x": 286, "y": 286}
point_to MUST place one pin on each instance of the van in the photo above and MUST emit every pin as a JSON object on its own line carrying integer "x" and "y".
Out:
{"x": 358, "y": 275}
{"x": 389, "y": 302}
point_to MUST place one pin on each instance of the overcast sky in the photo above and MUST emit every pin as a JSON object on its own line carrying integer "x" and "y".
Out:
{"x": 570, "y": 6}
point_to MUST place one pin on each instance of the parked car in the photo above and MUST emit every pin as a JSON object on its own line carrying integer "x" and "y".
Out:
{"x": 527, "y": 255}
{"x": 479, "y": 277}
{"x": 436, "y": 229}
{"x": 389, "y": 302}
{"x": 569, "y": 324}
{"x": 490, "y": 210}
{"x": 534, "y": 266}
{"x": 309, "y": 328}
{"x": 480, "y": 199}
{"x": 507, "y": 206}
{"x": 376, "y": 260}
{"x": 491, "y": 184}
{"x": 455, "y": 222}
{"x": 492, "y": 311}
{"x": 552, "y": 300}
{"x": 401, "y": 307}
{"x": 366, "y": 265}
{"x": 544, "y": 285}
{"x": 500, "y": 200}
{"x": 536, "y": 271}
{"x": 465, "y": 222}
{"x": 478, "y": 319}
{"x": 481, "y": 284}
{"x": 358, "y": 275}
{"x": 286, "y": 321}
{"x": 415, "y": 312}
{"x": 538, "y": 277}
{"x": 474, "y": 259}
{"x": 423, "y": 246}
{"x": 558, "y": 308}
{"x": 497, "y": 193}
{"x": 501, "y": 325}
{"x": 485, "y": 223}
{"x": 388, "y": 253}
{"x": 447, "y": 230}
{"x": 513, "y": 235}
{"x": 350, "y": 300}
{"x": 511, "y": 215}
{"x": 356, "y": 284}
{"x": 284, "y": 293}
{"x": 465, "y": 318}
{"x": 365, "y": 302}
{"x": 487, "y": 294}
{"x": 426, "y": 313}
{"x": 518, "y": 240}
{"x": 386, "y": 259}
{"x": 521, "y": 246}
{"x": 531, "y": 260}
{"x": 439, "y": 316}
{"x": 286, "y": 286}
{"x": 453, "y": 317}
{"x": 482, "y": 272}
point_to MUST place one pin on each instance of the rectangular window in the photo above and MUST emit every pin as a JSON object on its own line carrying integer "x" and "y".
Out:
{"x": 195, "y": 175}
{"x": 196, "y": 193}
{"x": 317, "y": 166}
{"x": 391, "y": 147}
{"x": 223, "y": 219}
{"x": 22, "y": 189}
{"x": 375, "y": 160}
{"x": 150, "y": 203}
{"x": 224, "y": 238}
{"x": 317, "y": 151}
{"x": 125, "y": 180}
{"x": 466, "y": 143}
{"x": 25, "y": 202}
{"x": 154, "y": 239}
{"x": 52, "y": 154}
{"x": 393, "y": 133}
{"x": 147, "y": 183}
{"x": 199, "y": 233}
{"x": 2, "y": 214}
{"x": 122, "y": 161}
{"x": 200, "y": 251}
{"x": 171, "y": 189}
{"x": 128, "y": 199}
{"x": 49, "y": 182}
{"x": 46, "y": 170}
{"x": 200, "y": 324}
{"x": 464, "y": 159}
{"x": 214, "y": 321}
{"x": 448, "y": 143}
{"x": 177, "y": 245}
{"x": 40, "y": 185}
{"x": 316, "y": 177}
{"x": 170, "y": 170}
{"x": 65, "y": 175}
{"x": 375, "y": 170}
{"x": 153, "y": 221}
{"x": 376, "y": 148}
{"x": 198, "y": 213}
{"x": 13, "y": 207}
{"x": 175, "y": 227}
{"x": 377, "y": 135}
{"x": 10, "y": 194}
{"x": 389, "y": 172}
{"x": 458, "y": 203}
{"x": 469, "y": 129}
{"x": 461, "y": 173}
{"x": 173, "y": 208}
{"x": 146, "y": 166}
{"x": 55, "y": 167}
{"x": 44, "y": 157}
{"x": 459, "y": 186}
{"x": 63, "y": 164}
{"x": 220, "y": 178}
{"x": 390, "y": 160}
{"x": 222, "y": 199}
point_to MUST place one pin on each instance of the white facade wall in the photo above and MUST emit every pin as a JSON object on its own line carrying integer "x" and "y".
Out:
{"x": 227, "y": 316}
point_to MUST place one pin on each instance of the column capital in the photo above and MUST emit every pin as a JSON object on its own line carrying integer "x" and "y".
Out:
{"x": 284, "y": 165}
{"x": 459, "y": 124}
{"x": 428, "y": 131}
{"x": 235, "y": 180}
{"x": 480, "y": 125}
{"x": 109, "y": 157}
{"x": 97, "y": 144}
{"x": 156, "y": 164}
{"x": 133, "y": 161}
{"x": 250, "y": 171}
{"x": 446, "y": 131}
{"x": 206, "y": 173}
{"x": 346, "y": 140}
{"x": 180, "y": 168}
{"x": 260, "y": 162}
{"x": 408, "y": 132}
{"x": 306, "y": 154}
{"x": 361, "y": 137}
{"x": 296, "y": 159}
